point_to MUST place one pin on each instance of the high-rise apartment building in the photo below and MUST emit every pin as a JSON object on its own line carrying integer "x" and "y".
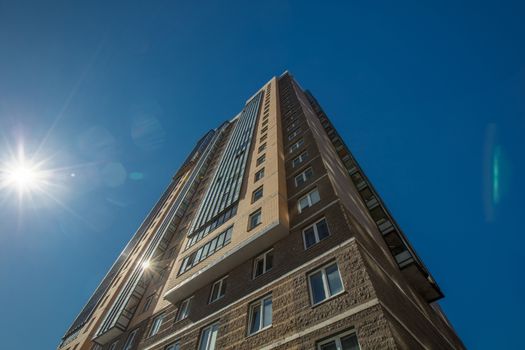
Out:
{"x": 269, "y": 236}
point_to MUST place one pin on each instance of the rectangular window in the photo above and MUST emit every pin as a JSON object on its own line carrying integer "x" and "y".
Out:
{"x": 174, "y": 346}
{"x": 209, "y": 337}
{"x": 261, "y": 159}
{"x": 262, "y": 147}
{"x": 265, "y": 122}
{"x": 263, "y": 130}
{"x": 260, "y": 315}
{"x": 184, "y": 309}
{"x": 147, "y": 303}
{"x": 257, "y": 194}
{"x": 255, "y": 219}
{"x": 344, "y": 341}
{"x": 259, "y": 175}
{"x": 264, "y": 137}
{"x": 303, "y": 177}
{"x": 299, "y": 159}
{"x": 296, "y": 145}
{"x": 291, "y": 126}
{"x": 308, "y": 200}
{"x": 113, "y": 345}
{"x": 294, "y": 133}
{"x": 325, "y": 283}
{"x": 218, "y": 289}
{"x": 315, "y": 233}
{"x": 155, "y": 325}
{"x": 131, "y": 340}
{"x": 263, "y": 263}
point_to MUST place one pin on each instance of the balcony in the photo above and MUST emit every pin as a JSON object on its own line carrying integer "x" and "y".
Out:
{"x": 216, "y": 267}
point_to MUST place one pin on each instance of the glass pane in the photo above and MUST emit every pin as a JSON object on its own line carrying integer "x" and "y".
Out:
{"x": 314, "y": 197}
{"x": 223, "y": 288}
{"x": 256, "y": 318}
{"x": 329, "y": 346}
{"x": 220, "y": 241}
{"x": 259, "y": 265}
{"x": 213, "y": 338}
{"x": 334, "y": 281}
{"x": 215, "y": 292}
{"x": 316, "y": 283}
{"x": 309, "y": 237}
{"x": 269, "y": 261}
{"x": 267, "y": 310}
{"x": 349, "y": 342}
{"x": 204, "y": 339}
{"x": 322, "y": 229}
{"x": 228, "y": 236}
{"x": 303, "y": 203}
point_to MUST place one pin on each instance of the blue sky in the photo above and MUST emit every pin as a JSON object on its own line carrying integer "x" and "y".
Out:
{"x": 430, "y": 98}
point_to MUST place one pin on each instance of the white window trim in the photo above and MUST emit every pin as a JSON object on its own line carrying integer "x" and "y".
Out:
{"x": 186, "y": 309}
{"x": 296, "y": 145}
{"x": 260, "y": 188}
{"x": 113, "y": 345}
{"x": 326, "y": 287}
{"x": 316, "y": 233}
{"x": 294, "y": 133}
{"x": 301, "y": 157}
{"x": 156, "y": 324}
{"x": 219, "y": 282}
{"x": 253, "y": 305}
{"x": 263, "y": 258}
{"x": 210, "y": 327}
{"x": 302, "y": 174}
{"x": 130, "y": 341}
{"x": 337, "y": 339}
{"x": 250, "y": 227}
{"x": 309, "y": 200}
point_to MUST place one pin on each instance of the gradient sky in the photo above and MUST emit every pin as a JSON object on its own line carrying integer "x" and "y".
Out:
{"x": 429, "y": 97}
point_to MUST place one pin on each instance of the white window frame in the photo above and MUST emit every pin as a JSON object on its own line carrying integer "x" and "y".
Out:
{"x": 113, "y": 345}
{"x": 218, "y": 283}
{"x": 296, "y": 145}
{"x": 310, "y": 202}
{"x": 316, "y": 232}
{"x": 294, "y": 134}
{"x": 173, "y": 346}
{"x": 209, "y": 345}
{"x": 326, "y": 286}
{"x": 337, "y": 340}
{"x": 262, "y": 257}
{"x": 184, "y": 309}
{"x": 303, "y": 176}
{"x": 301, "y": 158}
{"x": 156, "y": 324}
{"x": 261, "y": 189}
{"x": 130, "y": 340}
{"x": 259, "y": 304}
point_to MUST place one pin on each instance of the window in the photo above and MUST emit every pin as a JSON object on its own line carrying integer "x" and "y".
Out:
{"x": 209, "y": 337}
{"x": 263, "y": 263}
{"x": 261, "y": 159}
{"x": 257, "y": 194}
{"x": 113, "y": 345}
{"x": 155, "y": 325}
{"x": 131, "y": 340}
{"x": 303, "y": 177}
{"x": 263, "y": 130}
{"x": 259, "y": 175}
{"x": 255, "y": 219}
{"x": 174, "y": 346}
{"x": 265, "y": 122}
{"x": 147, "y": 303}
{"x": 296, "y": 145}
{"x": 308, "y": 200}
{"x": 291, "y": 126}
{"x": 345, "y": 341}
{"x": 260, "y": 315}
{"x": 263, "y": 137}
{"x": 315, "y": 233}
{"x": 299, "y": 159}
{"x": 325, "y": 283}
{"x": 294, "y": 133}
{"x": 218, "y": 289}
{"x": 184, "y": 309}
{"x": 262, "y": 147}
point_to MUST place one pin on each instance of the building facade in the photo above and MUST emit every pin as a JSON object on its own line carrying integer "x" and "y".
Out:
{"x": 269, "y": 236}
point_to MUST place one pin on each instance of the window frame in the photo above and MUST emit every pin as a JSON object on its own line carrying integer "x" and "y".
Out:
{"x": 303, "y": 176}
{"x": 208, "y": 341}
{"x": 296, "y": 145}
{"x": 259, "y": 304}
{"x": 173, "y": 346}
{"x": 262, "y": 257}
{"x": 261, "y": 172}
{"x": 310, "y": 203}
{"x": 130, "y": 340}
{"x": 316, "y": 232}
{"x": 256, "y": 212}
{"x": 156, "y": 323}
{"x": 326, "y": 286}
{"x": 261, "y": 159}
{"x": 220, "y": 282}
{"x": 337, "y": 338}
{"x": 187, "y": 305}
{"x": 255, "y": 192}
{"x": 302, "y": 157}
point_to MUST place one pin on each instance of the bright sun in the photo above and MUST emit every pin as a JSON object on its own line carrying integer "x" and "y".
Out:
{"x": 22, "y": 175}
